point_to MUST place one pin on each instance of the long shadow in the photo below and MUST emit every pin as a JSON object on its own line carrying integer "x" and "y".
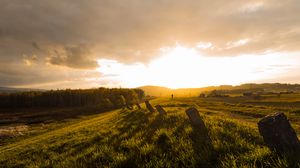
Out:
{"x": 202, "y": 145}
{"x": 153, "y": 127}
{"x": 129, "y": 125}
{"x": 129, "y": 122}
{"x": 141, "y": 123}
{"x": 144, "y": 124}
{"x": 159, "y": 122}
{"x": 137, "y": 121}
{"x": 131, "y": 119}
{"x": 201, "y": 142}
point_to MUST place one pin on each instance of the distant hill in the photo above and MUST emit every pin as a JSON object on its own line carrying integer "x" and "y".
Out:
{"x": 156, "y": 91}
{"x": 14, "y": 90}
{"x": 166, "y": 92}
{"x": 191, "y": 92}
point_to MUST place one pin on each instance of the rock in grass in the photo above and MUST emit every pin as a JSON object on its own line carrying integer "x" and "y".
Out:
{"x": 149, "y": 106}
{"x": 278, "y": 133}
{"x": 160, "y": 110}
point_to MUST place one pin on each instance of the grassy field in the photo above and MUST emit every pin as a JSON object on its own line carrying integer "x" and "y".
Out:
{"x": 138, "y": 138}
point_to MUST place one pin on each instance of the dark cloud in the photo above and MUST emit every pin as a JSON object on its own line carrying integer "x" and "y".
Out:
{"x": 35, "y": 46}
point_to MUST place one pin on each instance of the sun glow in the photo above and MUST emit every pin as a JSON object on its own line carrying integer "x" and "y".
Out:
{"x": 181, "y": 67}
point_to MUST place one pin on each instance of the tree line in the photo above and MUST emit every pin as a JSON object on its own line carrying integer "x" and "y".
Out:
{"x": 105, "y": 97}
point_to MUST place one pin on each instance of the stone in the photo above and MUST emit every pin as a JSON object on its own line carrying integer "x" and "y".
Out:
{"x": 149, "y": 106}
{"x": 278, "y": 133}
{"x": 160, "y": 110}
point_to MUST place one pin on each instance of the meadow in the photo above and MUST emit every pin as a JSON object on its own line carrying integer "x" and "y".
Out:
{"x": 139, "y": 138}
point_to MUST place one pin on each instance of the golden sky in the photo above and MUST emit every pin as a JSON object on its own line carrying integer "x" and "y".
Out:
{"x": 192, "y": 43}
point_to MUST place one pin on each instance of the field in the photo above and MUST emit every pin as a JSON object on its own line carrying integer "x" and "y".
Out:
{"x": 138, "y": 138}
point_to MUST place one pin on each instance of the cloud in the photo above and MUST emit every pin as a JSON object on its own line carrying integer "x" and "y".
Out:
{"x": 29, "y": 60}
{"x": 35, "y": 45}
{"x": 74, "y": 57}
{"x": 21, "y": 75}
{"x": 120, "y": 30}
{"x": 76, "y": 33}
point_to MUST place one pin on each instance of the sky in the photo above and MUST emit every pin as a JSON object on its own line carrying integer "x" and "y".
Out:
{"x": 53, "y": 44}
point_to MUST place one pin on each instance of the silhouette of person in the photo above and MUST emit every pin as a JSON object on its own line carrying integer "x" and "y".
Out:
{"x": 172, "y": 96}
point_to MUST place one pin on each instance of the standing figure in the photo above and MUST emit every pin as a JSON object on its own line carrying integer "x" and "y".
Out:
{"x": 172, "y": 96}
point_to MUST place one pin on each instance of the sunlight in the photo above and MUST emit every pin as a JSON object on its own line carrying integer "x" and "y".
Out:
{"x": 181, "y": 67}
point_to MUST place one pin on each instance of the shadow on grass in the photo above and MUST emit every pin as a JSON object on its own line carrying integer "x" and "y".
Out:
{"x": 156, "y": 131}
{"x": 202, "y": 145}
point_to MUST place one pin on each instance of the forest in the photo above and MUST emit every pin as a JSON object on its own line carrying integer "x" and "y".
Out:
{"x": 105, "y": 97}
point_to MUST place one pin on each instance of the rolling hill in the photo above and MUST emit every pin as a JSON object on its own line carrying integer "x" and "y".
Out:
{"x": 192, "y": 92}
{"x": 14, "y": 90}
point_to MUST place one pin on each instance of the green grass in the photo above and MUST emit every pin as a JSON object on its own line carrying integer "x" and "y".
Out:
{"x": 138, "y": 138}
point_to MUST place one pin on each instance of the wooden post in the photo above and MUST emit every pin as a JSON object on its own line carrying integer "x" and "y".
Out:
{"x": 149, "y": 106}
{"x": 198, "y": 124}
{"x": 160, "y": 110}
{"x": 278, "y": 133}
{"x": 194, "y": 117}
{"x": 138, "y": 105}
{"x": 129, "y": 107}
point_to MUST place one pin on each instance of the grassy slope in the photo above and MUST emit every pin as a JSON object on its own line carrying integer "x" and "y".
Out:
{"x": 141, "y": 139}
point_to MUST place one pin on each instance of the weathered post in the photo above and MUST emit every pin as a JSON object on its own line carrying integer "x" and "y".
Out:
{"x": 198, "y": 125}
{"x": 123, "y": 102}
{"x": 138, "y": 105}
{"x": 278, "y": 133}
{"x": 129, "y": 107}
{"x": 194, "y": 117}
{"x": 149, "y": 106}
{"x": 160, "y": 110}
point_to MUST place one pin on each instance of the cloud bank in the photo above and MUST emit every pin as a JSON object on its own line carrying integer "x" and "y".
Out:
{"x": 74, "y": 34}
